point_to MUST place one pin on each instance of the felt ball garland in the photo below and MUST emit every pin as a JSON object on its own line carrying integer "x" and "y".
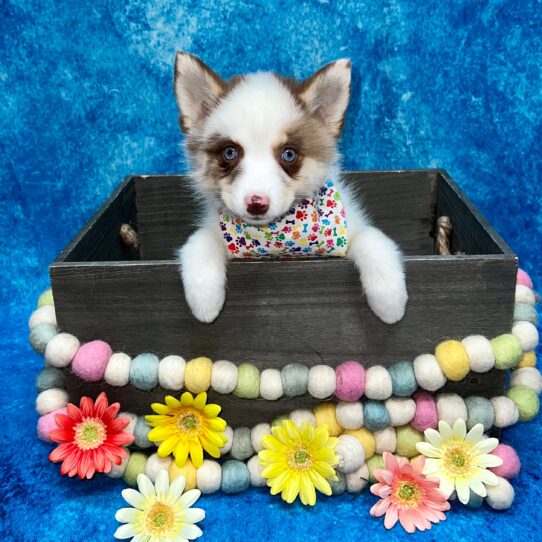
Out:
{"x": 380, "y": 409}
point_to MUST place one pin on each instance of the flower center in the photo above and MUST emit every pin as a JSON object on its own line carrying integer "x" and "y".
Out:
{"x": 90, "y": 434}
{"x": 300, "y": 459}
{"x": 188, "y": 422}
{"x": 160, "y": 519}
{"x": 407, "y": 493}
{"x": 457, "y": 460}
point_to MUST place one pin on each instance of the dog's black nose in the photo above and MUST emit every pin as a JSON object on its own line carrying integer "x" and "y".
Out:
{"x": 257, "y": 205}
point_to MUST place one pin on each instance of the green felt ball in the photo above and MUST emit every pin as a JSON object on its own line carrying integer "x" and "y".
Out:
{"x": 248, "y": 381}
{"x": 134, "y": 467}
{"x": 279, "y": 419}
{"x": 46, "y": 298}
{"x": 407, "y": 438}
{"x": 508, "y": 351}
{"x": 373, "y": 463}
{"x": 526, "y": 400}
{"x": 50, "y": 377}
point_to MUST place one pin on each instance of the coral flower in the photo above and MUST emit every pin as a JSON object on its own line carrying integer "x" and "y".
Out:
{"x": 407, "y": 495}
{"x": 161, "y": 512}
{"x": 91, "y": 437}
{"x": 188, "y": 426}
{"x": 460, "y": 460}
{"x": 298, "y": 460}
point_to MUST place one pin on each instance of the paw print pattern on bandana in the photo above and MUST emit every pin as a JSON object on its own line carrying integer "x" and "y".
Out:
{"x": 314, "y": 227}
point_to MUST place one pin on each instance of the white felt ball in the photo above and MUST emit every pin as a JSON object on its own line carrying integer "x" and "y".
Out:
{"x": 132, "y": 419}
{"x": 527, "y": 335}
{"x": 321, "y": 381}
{"x": 501, "y": 496}
{"x": 349, "y": 415}
{"x": 228, "y": 433}
{"x": 480, "y": 353}
{"x": 117, "y": 372}
{"x": 256, "y": 435}
{"x": 506, "y": 411}
{"x": 209, "y": 476}
{"x": 527, "y": 376}
{"x": 171, "y": 372}
{"x": 386, "y": 440}
{"x": 525, "y": 295}
{"x": 351, "y": 454}
{"x": 44, "y": 315}
{"x": 271, "y": 384}
{"x": 255, "y": 470}
{"x": 428, "y": 373}
{"x": 401, "y": 410}
{"x": 156, "y": 463}
{"x": 118, "y": 470}
{"x": 61, "y": 349}
{"x": 357, "y": 480}
{"x": 378, "y": 384}
{"x": 51, "y": 399}
{"x": 451, "y": 407}
{"x": 224, "y": 376}
{"x": 303, "y": 415}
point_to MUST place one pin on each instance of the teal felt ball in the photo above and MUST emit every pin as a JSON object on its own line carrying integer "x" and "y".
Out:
{"x": 40, "y": 335}
{"x": 235, "y": 477}
{"x": 50, "y": 377}
{"x": 144, "y": 371}
{"x": 375, "y": 415}
{"x": 403, "y": 379}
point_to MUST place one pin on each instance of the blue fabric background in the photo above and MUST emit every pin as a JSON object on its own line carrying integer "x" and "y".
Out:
{"x": 86, "y": 98}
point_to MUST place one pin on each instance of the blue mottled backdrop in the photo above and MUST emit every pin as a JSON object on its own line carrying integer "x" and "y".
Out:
{"x": 86, "y": 98}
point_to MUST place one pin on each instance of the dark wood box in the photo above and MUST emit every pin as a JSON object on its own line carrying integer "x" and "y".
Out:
{"x": 279, "y": 312}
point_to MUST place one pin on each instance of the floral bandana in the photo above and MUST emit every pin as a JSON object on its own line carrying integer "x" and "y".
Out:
{"x": 314, "y": 227}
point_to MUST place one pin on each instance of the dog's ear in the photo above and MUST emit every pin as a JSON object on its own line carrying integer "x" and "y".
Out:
{"x": 197, "y": 89}
{"x": 327, "y": 92}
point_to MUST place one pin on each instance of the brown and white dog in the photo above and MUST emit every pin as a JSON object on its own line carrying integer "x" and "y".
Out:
{"x": 258, "y": 143}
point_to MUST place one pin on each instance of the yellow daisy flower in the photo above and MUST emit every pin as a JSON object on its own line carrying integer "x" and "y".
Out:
{"x": 188, "y": 426}
{"x": 159, "y": 512}
{"x": 298, "y": 460}
{"x": 460, "y": 460}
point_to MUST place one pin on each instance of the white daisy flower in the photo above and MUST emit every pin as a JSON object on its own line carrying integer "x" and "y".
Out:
{"x": 160, "y": 512}
{"x": 460, "y": 460}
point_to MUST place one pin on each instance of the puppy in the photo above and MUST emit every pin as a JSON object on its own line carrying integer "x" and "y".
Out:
{"x": 264, "y": 159}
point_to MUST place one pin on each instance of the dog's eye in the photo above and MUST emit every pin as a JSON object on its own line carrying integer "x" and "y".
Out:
{"x": 289, "y": 155}
{"x": 230, "y": 154}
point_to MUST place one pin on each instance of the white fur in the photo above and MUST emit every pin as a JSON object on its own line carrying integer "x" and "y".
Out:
{"x": 256, "y": 114}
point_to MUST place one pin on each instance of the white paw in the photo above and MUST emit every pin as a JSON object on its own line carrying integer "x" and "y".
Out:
{"x": 205, "y": 301}
{"x": 388, "y": 303}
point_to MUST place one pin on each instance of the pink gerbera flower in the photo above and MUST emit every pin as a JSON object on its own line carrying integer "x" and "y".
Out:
{"x": 90, "y": 437}
{"x": 407, "y": 495}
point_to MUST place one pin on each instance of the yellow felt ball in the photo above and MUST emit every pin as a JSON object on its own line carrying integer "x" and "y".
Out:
{"x": 197, "y": 375}
{"x": 366, "y": 438}
{"x": 453, "y": 360}
{"x": 324, "y": 414}
{"x": 187, "y": 470}
{"x": 528, "y": 360}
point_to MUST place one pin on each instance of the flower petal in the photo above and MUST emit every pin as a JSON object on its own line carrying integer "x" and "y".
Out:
{"x": 128, "y": 515}
{"x": 193, "y": 515}
{"x": 133, "y": 497}
{"x": 445, "y": 430}
{"x": 475, "y": 434}
{"x": 463, "y": 490}
{"x": 190, "y": 532}
{"x": 189, "y": 498}
{"x": 176, "y": 487}
{"x": 428, "y": 450}
{"x": 459, "y": 429}
{"x": 127, "y": 530}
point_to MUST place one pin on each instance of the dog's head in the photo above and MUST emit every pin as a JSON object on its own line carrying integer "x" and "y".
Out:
{"x": 260, "y": 141}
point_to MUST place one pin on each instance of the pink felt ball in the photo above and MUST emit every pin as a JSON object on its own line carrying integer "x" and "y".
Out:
{"x": 90, "y": 360}
{"x": 426, "y": 411}
{"x": 350, "y": 381}
{"x": 47, "y": 423}
{"x": 511, "y": 464}
{"x": 524, "y": 279}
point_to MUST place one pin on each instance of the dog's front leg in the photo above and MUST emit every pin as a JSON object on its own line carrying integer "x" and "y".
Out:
{"x": 202, "y": 261}
{"x": 380, "y": 264}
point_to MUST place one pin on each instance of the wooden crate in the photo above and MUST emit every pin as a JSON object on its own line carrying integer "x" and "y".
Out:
{"x": 278, "y": 312}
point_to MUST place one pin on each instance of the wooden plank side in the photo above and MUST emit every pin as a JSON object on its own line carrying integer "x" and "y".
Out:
{"x": 402, "y": 203}
{"x": 280, "y": 312}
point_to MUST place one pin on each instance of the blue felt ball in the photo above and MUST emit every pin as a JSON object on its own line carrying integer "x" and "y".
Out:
{"x": 479, "y": 410}
{"x": 235, "y": 477}
{"x": 141, "y": 431}
{"x": 525, "y": 312}
{"x": 50, "y": 377}
{"x": 41, "y": 335}
{"x": 375, "y": 415}
{"x": 403, "y": 379}
{"x": 144, "y": 371}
